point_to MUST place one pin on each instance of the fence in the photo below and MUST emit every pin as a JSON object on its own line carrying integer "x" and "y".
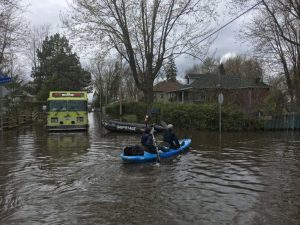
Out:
{"x": 282, "y": 122}
{"x": 8, "y": 122}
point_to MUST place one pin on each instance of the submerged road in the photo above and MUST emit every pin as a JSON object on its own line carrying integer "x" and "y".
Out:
{"x": 78, "y": 178}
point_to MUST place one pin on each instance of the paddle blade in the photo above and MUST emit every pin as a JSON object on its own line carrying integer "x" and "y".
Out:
{"x": 164, "y": 124}
{"x": 152, "y": 131}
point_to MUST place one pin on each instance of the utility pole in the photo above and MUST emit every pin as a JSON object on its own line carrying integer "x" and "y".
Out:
{"x": 120, "y": 88}
{"x": 100, "y": 99}
{"x": 220, "y": 102}
{"x": 120, "y": 101}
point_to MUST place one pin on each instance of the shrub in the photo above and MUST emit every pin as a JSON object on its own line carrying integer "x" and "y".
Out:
{"x": 189, "y": 116}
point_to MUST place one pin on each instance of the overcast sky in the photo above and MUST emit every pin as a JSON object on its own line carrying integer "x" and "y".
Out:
{"x": 42, "y": 12}
{"x": 47, "y": 12}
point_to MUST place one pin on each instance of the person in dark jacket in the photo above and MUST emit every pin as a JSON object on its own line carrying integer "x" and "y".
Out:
{"x": 147, "y": 120}
{"x": 170, "y": 137}
{"x": 147, "y": 141}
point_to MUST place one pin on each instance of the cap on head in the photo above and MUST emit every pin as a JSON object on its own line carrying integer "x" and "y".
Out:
{"x": 170, "y": 126}
{"x": 147, "y": 130}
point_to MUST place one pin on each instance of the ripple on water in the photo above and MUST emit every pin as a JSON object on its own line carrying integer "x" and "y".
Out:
{"x": 78, "y": 178}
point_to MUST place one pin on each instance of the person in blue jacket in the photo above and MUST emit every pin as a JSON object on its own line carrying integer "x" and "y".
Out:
{"x": 170, "y": 137}
{"x": 147, "y": 141}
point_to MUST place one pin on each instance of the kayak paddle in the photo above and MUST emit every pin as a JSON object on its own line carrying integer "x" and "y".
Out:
{"x": 155, "y": 143}
{"x": 164, "y": 124}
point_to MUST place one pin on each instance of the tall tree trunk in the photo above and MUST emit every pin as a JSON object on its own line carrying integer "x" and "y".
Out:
{"x": 297, "y": 80}
{"x": 287, "y": 74}
{"x": 148, "y": 96}
{"x": 148, "y": 91}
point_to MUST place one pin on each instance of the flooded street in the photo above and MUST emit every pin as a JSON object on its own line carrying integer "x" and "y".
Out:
{"x": 78, "y": 178}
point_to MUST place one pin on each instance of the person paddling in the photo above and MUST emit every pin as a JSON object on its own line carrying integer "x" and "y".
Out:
{"x": 147, "y": 141}
{"x": 147, "y": 120}
{"x": 170, "y": 137}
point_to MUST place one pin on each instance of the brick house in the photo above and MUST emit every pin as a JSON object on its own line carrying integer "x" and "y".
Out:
{"x": 247, "y": 93}
{"x": 166, "y": 91}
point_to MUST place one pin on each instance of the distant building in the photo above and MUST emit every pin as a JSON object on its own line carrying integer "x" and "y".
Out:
{"x": 166, "y": 91}
{"x": 247, "y": 93}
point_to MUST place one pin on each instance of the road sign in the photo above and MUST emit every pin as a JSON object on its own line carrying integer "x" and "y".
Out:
{"x": 220, "y": 98}
{"x": 4, "y": 79}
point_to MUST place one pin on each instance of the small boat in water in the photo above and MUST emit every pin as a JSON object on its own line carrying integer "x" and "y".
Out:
{"x": 118, "y": 126}
{"x": 148, "y": 157}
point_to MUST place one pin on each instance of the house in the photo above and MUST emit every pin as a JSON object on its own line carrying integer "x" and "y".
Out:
{"x": 165, "y": 91}
{"x": 247, "y": 93}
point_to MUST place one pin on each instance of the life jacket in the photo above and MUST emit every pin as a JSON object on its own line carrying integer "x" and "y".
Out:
{"x": 147, "y": 139}
{"x": 170, "y": 137}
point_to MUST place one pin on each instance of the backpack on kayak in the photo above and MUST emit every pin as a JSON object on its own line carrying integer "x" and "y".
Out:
{"x": 133, "y": 150}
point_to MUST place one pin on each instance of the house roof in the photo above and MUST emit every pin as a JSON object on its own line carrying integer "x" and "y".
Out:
{"x": 167, "y": 86}
{"x": 226, "y": 81}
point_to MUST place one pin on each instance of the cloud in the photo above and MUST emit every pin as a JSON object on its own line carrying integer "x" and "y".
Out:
{"x": 226, "y": 44}
{"x": 42, "y": 12}
{"x": 227, "y": 41}
{"x": 227, "y": 56}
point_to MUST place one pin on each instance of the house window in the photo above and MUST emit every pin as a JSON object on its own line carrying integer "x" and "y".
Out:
{"x": 200, "y": 97}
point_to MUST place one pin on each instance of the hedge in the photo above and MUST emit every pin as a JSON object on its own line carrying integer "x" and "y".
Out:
{"x": 189, "y": 116}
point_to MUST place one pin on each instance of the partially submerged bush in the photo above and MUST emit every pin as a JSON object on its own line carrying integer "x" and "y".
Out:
{"x": 190, "y": 116}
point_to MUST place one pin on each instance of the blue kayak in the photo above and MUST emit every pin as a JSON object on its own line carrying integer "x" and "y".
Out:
{"x": 147, "y": 157}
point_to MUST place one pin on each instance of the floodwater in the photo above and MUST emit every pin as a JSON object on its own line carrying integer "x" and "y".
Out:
{"x": 78, "y": 178}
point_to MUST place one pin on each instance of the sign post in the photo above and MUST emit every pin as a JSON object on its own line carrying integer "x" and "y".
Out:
{"x": 220, "y": 101}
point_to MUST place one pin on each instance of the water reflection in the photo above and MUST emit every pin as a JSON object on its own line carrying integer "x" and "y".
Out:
{"x": 78, "y": 178}
{"x": 62, "y": 145}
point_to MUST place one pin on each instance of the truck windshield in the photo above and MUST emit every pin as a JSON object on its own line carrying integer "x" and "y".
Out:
{"x": 67, "y": 105}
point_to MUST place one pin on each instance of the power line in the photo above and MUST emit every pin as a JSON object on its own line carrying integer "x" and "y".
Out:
{"x": 231, "y": 21}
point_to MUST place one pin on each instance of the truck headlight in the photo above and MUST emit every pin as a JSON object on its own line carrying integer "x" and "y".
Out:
{"x": 54, "y": 120}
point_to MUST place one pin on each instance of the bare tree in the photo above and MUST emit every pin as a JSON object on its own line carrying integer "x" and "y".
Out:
{"x": 36, "y": 37}
{"x": 208, "y": 66}
{"x": 240, "y": 65}
{"x": 109, "y": 78}
{"x": 145, "y": 33}
{"x": 106, "y": 76}
{"x": 286, "y": 17}
{"x": 12, "y": 30}
{"x": 243, "y": 66}
{"x": 275, "y": 34}
{"x": 130, "y": 90}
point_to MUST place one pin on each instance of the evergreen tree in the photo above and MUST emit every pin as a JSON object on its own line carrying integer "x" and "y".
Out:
{"x": 222, "y": 69}
{"x": 170, "y": 68}
{"x": 59, "y": 68}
